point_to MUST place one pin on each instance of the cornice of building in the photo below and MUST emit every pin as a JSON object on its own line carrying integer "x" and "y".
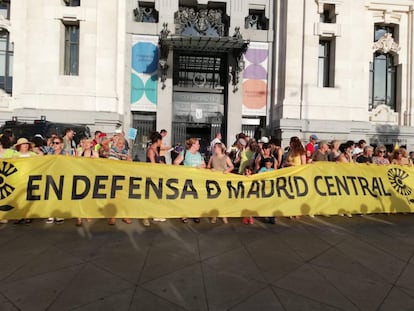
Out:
{"x": 390, "y": 5}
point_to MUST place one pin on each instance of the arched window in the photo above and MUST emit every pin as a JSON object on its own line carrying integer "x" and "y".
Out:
{"x": 383, "y": 68}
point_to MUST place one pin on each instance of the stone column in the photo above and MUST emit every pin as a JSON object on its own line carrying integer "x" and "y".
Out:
{"x": 410, "y": 67}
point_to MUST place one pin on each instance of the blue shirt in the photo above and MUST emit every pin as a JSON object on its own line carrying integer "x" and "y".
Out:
{"x": 191, "y": 159}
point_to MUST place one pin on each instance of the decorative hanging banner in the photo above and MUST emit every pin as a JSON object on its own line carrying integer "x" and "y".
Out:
{"x": 60, "y": 186}
{"x": 144, "y": 73}
{"x": 255, "y": 86}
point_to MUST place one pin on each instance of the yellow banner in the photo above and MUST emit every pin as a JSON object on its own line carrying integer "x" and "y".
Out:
{"x": 59, "y": 186}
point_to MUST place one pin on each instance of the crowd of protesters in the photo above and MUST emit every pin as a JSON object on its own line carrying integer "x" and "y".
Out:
{"x": 246, "y": 156}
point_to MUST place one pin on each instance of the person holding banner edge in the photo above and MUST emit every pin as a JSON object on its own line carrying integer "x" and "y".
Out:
{"x": 296, "y": 156}
{"x": 191, "y": 157}
{"x": 220, "y": 162}
{"x": 86, "y": 151}
{"x": 154, "y": 156}
{"x": 119, "y": 152}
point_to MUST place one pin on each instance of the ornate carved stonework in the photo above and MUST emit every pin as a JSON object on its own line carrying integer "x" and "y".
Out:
{"x": 383, "y": 114}
{"x": 4, "y": 24}
{"x": 146, "y": 14}
{"x": 205, "y": 22}
{"x": 386, "y": 44}
{"x": 256, "y": 22}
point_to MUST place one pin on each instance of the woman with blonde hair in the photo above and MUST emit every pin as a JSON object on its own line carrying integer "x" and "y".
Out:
{"x": 400, "y": 157}
{"x": 220, "y": 162}
{"x": 191, "y": 157}
{"x": 379, "y": 155}
{"x": 24, "y": 150}
{"x": 334, "y": 153}
{"x": 119, "y": 152}
{"x": 86, "y": 151}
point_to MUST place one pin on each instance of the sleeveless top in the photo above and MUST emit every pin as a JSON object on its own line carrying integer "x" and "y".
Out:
{"x": 191, "y": 159}
{"x": 219, "y": 163}
{"x": 116, "y": 154}
{"x": 90, "y": 154}
{"x": 294, "y": 160}
{"x": 157, "y": 158}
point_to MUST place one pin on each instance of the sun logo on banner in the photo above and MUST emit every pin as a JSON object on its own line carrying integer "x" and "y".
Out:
{"x": 7, "y": 169}
{"x": 396, "y": 177}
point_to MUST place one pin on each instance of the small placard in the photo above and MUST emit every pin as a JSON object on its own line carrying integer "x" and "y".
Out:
{"x": 132, "y": 133}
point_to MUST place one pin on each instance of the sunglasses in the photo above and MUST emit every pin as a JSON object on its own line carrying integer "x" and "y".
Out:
{"x": 56, "y": 142}
{"x": 381, "y": 151}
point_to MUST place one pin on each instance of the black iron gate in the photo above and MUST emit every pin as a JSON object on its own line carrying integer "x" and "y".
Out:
{"x": 145, "y": 124}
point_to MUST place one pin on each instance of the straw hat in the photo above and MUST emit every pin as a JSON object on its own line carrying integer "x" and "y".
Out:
{"x": 22, "y": 141}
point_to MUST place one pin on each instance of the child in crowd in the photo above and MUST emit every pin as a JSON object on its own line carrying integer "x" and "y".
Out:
{"x": 248, "y": 171}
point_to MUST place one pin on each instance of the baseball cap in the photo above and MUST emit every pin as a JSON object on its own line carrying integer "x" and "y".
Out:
{"x": 264, "y": 140}
{"x": 314, "y": 137}
{"x": 242, "y": 142}
{"x": 39, "y": 135}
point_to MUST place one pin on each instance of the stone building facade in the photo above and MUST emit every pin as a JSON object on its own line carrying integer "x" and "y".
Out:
{"x": 335, "y": 68}
{"x": 345, "y": 70}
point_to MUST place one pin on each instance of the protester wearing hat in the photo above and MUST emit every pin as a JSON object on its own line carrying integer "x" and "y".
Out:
{"x": 310, "y": 147}
{"x": 245, "y": 154}
{"x": 322, "y": 153}
{"x": 40, "y": 146}
{"x": 263, "y": 140}
{"x": 24, "y": 148}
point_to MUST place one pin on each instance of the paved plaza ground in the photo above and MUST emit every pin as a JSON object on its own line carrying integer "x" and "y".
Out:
{"x": 321, "y": 263}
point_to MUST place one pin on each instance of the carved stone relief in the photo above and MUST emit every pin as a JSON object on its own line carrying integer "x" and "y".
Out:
{"x": 383, "y": 114}
{"x": 4, "y": 24}
{"x": 205, "y": 22}
{"x": 386, "y": 44}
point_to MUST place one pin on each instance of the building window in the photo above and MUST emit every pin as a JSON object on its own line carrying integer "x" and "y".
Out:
{"x": 6, "y": 63}
{"x": 256, "y": 20}
{"x": 5, "y": 9}
{"x": 384, "y": 67}
{"x": 326, "y": 63}
{"x": 71, "y": 64}
{"x": 146, "y": 12}
{"x": 201, "y": 72}
{"x": 381, "y": 29}
{"x": 383, "y": 74}
{"x": 72, "y": 2}
{"x": 328, "y": 15}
